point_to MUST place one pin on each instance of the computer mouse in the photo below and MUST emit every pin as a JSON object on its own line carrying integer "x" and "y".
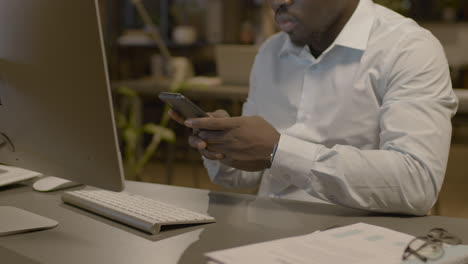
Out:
{"x": 49, "y": 184}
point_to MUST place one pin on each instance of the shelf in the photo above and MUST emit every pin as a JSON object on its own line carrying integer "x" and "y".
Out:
{"x": 170, "y": 45}
{"x": 151, "y": 87}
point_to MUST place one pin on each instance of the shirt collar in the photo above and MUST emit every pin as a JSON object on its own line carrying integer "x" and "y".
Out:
{"x": 355, "y": 33}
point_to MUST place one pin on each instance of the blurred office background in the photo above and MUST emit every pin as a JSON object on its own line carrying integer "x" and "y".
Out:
{"x": 218, "y": 39}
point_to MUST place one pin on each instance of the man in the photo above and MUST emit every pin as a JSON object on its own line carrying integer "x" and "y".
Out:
{"x": 350, "y": 104}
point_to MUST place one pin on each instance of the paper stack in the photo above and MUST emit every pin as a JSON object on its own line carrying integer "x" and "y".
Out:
{"x": 358, "y": 243}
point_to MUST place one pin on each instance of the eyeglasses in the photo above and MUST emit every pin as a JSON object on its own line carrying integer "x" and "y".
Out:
{"x": 430, "y": 246}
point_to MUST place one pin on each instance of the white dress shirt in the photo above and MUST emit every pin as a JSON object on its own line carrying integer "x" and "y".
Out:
{"x": 365, "y": 125}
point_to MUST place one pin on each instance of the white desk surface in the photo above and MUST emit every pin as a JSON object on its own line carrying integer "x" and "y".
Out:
{"x": 82, "y": 237}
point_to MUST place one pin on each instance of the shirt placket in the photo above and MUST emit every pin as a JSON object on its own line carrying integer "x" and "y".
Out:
{"x": 310, "y": 65}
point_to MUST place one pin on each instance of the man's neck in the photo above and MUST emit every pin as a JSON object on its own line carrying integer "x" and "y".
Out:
{"x": 320, "y": 42}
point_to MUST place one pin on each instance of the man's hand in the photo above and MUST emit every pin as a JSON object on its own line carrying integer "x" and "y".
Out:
{"x": 240, "y": 142}
{"x": 246, "y": 142}
{"x": 197, "y": 142}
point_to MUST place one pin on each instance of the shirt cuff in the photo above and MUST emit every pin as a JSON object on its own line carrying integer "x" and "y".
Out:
{"x": 213, "y": 167}
{"x": 293, "y": 160}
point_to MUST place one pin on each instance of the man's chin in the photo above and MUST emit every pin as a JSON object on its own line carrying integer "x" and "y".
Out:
{"x": 302, "y": 40}
{"x": 297, "y": 41}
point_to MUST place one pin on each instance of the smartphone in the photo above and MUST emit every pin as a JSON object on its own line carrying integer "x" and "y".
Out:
{"x": 182, "y": 105}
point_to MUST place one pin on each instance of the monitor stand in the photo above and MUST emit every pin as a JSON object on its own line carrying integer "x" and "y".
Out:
{"x": 15, "y": 220}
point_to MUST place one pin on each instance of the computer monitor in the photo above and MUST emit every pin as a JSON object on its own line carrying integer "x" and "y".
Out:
{"x": 56, "y": 114}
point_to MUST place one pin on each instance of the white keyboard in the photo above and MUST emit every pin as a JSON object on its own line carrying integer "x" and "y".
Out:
{"x": 134, "y": 210}
{"x": 10, "y": 175}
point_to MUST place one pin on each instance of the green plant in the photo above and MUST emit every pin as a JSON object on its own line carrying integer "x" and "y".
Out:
{"x": 132, "y": 131}
{"x": 132, "y": 134}
{"x": 179, "y": 69}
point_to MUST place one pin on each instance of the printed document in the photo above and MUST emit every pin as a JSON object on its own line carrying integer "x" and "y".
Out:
{"x": 359, "y": 243}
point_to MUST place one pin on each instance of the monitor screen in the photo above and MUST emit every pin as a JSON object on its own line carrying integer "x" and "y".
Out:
{"x": 56, "y": 114}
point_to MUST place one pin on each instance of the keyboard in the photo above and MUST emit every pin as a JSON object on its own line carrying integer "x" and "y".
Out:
{"x": 134, "y": 210}
{"x": 10, "y": 175}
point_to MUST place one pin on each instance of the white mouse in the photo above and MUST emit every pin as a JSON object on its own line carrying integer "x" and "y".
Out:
{"x": 49, "y": 183}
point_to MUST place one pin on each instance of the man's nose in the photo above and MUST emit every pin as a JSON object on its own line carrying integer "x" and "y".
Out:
{"x": 275, "y": 4}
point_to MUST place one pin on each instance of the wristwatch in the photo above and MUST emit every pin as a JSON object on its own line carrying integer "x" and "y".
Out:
{"x": 272, "y": 155}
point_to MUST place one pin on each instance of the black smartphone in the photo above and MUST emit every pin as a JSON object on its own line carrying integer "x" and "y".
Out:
{"x": 182, "y": 105}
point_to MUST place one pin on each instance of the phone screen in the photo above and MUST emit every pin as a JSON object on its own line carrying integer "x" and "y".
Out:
{"x": 182, "y": 105}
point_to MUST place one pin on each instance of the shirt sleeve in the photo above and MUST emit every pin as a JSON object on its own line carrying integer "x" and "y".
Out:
{"x": 406, "y": 173}
{"x": 228, "y": 176}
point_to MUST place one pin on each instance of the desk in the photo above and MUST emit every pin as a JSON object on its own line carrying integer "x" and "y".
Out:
{"x": 82, "y": 237}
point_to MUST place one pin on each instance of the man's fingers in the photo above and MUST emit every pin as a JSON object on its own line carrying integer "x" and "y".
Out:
{"x": 212, "y": 137}
{"x": 210, "y": 123}
{"x": 212, "y": 155}
{"x": 218, "y": 120}
{"x": 201, "y": 145}
{"x": 197, "y": 143}
{"x": 176, "y": 116}
{"x": 220, "y": 113}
